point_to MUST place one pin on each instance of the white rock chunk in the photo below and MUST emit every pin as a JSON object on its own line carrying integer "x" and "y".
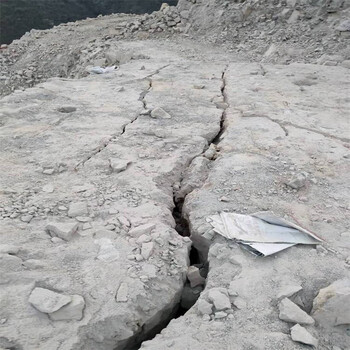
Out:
{"x": 220, "y": 300}
{"x": 143, "y": 239}
{"x": 147, "y": 249}
{"x": 122, "y": 294}
{"x": 141, "y": 230}
{"x": 26, "y": 218}
{"x": 65, "y": 231}
{"x": 297, "y": 181}
{"x": 118, "y": 165}
{"x": 72, "y": 311}
{"x": 159, "y": 113}
{"x": 288, "y": 291}
{"x": 78, "y": 209}
{"x": 47, "y": 301}
{"x": 195, "y": 277}
{"x": 301, "y": 335}
{"x": 204, "y": 307}
{"x": 291, "y": 312}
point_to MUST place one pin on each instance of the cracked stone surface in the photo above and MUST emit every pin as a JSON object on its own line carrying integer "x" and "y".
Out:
{"x": 89, "y": 172}
{"x": 273, "y": 129}
{"x": 121, "y": 277}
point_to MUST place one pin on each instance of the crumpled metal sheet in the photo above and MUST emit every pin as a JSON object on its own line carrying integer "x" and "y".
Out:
{"x": 262, "y": 233}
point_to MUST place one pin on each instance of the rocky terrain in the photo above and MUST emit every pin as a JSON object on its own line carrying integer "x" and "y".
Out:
{"x": 108, "y": 180}
{"x": 20, "y": 16}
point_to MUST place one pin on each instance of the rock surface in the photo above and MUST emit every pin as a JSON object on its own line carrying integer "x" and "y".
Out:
{"x": 238, "y": 133}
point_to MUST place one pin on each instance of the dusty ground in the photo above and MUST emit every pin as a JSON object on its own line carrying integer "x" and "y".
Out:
{"x": 133, "y": 161}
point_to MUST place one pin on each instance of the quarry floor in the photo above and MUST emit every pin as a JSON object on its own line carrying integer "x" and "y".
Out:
{"x": 132, "y": 163}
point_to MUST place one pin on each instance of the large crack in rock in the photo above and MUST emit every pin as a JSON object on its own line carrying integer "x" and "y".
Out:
{"x": 240, "y": 306}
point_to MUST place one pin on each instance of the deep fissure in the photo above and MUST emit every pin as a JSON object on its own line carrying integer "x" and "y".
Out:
{"x": 217, "y": 138}
{"x": 190, "y": 293}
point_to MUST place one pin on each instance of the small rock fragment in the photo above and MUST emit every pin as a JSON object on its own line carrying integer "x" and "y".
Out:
{"x": 291, "y": 312}
{"x": 48, "y": 171}
{"x": 147, "y": 249}
{"x": 57, "y": 240}
{"x": 297, "y": 181}
{"x": 141, "y": 230}
{"x": 122, "y": 294}
{"x": 26, "y": 218}
{"x": 288, "y": 291}
{"x": 78, "y": 209}
{"x": 159, "y": 113}
{"x": 219, "y": 299}
{"x": 33, "y": 264}
{"x": 143, "y": 239}
{"x": 301, "y": 335}
{"x": 47, "y": 301}
{"x": 210, "y": 153}
{"x": 83, "y": 218}
{"x": 118, "y": 165}
{"x": 67, "y": 109}
{"x": 195, "y": 277}
{"x": 71, "y": 311}
{"x": 220, "y": 314}
{"x": 221, "y": 105}
{"x": 64, "y": 231}
{"x": 204, "y": 307}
